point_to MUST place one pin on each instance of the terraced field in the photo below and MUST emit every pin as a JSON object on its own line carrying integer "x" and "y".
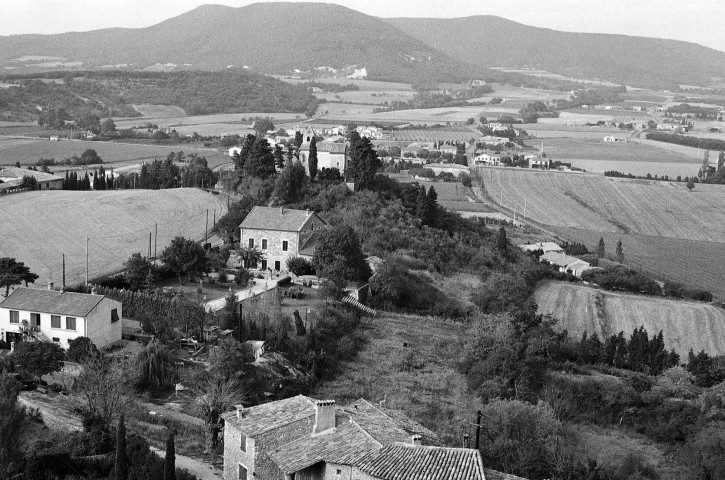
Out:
{"x": 38, "y": 227}
{"x": 685, "y": 325}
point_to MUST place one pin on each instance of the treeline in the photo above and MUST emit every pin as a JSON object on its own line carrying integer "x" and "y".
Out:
{"x": 331, "y": 87}
{"x": 623, "y": 278}
{"x": 703, "y": 143}
{"x": 112, "y": 93}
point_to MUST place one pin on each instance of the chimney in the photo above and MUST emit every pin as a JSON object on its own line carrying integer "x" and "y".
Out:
{"x": 240, "y": 411}
{"x": 324, "y": 416}
{"x": 308, "y": 212}
{"x": 465, "y": 441}
{"x": 50, "y": 285}
{"x": 415, "y": 440}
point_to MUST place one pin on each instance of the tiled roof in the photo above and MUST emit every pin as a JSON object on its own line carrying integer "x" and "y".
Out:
{"x": 560, "y": 259}
{"x": 376, "y": 423}
{"x": 331, "y": 147}
{"x": 496, "y": 475}
{"x": 51, "y": 301}
{"x": 308, "y": 248}
{"x": 411, "y": 462}
{"x": 275, "y": 218}
{"x": 344, "y": 445}
{"x": 269, "y": 416}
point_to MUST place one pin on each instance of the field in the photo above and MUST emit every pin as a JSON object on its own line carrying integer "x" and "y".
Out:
{"x": 409, "y": 363}
{"x": 28, "y": 151}
{"x": 215, "y": 125}
{"x": 452, "y": 195}
{"x": 117, "y": 223}
{"x": 448, "y": 135}
{"x": 364, "y": 113}
{"x": 685, "y": 325}
{"x": 370, "y": 97}
{"x": 605, "y": 204}
{"x": 675, "y": 234}
{"x": 149, "y": 110}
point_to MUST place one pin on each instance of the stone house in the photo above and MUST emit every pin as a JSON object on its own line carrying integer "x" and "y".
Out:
{"x": 281, "y": 233}
{"x": 300, "y": 438}
{"x": 55, "y": 316}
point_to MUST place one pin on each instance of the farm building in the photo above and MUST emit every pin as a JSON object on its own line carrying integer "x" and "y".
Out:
{"x": 493, "y": 140}
{"x": 545, "y": 247}
{"x": 565, "y": 263}
{"x": 304, "y": 438}
{"x": 538, "y": 162}
{"x": 491, "y": 159}
{"x": 329, "y": 155}
{"x": 613, "y": 139}
{"x": 55, "y": 316}
{"x": 234, "y": 151}
{"x": 452, "y": 149}
{"x": 12, "y": 178}
{"x": 280, "y": 234}
{"x": 452, "y": 168}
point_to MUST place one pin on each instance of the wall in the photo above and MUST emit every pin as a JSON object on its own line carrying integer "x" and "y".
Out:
{"x": 265, "y": 469}
{"x": 273, "y": 251}
{"x": 101, "y": 330}
{"x": 233, "y": 455}
{"x": 64, "y": 336}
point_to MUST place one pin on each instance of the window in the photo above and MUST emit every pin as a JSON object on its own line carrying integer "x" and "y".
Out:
{"x": 70, "y": 323}
{"x": 55, "y": 321}
{"x": 243, "y": 443}
{"x": 338, "y": 471}
{"x": 114, "y": 315}
{"x": 56, "y": 339}
{"x": 242, "y": 472}
{"x": 276, "y": 265}
{"x": 264, "y": 264}
{"x": 14, "y": 316}
{"x": 285, "y": 245}
{"x": 264, "y": 244}
{"x": 312, "y": 226}
{"x": 251, "y": 243}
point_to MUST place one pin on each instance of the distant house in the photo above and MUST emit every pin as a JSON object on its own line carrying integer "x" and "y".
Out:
{"x": 538, "y": 162}
{"x": 452, "y": 168}
{"x": 304, "y": 438}
{"x": 613, "y": 139}
{"x": 54, "y": 138}
{"x": 493, "y": 140}
{"x": 280, "y": 234}
{"x": 235, "y": 151}
{"x": 490, "y": 159}
{"x": 565, "y": 263}
{"x": 544, "y": 247}
{"x": 50, "y": 315}
{"x": 12, "y": 178}
{"x": 329, "y": 155}
{"x": 452, "y": 149}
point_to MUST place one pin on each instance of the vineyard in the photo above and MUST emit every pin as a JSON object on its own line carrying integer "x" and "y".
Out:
{"x": 448, "y": 135}
{"x": 685, "y": 325}
{"x": 50, "y": 223}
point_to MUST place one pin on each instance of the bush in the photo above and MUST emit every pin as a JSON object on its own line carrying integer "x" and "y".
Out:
{"x": 222, "y": 276}
{"x": 242, "y": 277}
{"x": 622, "y": 278}
{"x": 300, "y": 266}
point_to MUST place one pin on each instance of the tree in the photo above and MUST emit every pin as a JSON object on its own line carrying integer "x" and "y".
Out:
{"x": 104, "y": 385}
{"x": 260, "y": 161}
{"x": 228, "y": 358}
{"x": 215, "y": 395}
{"x": 363, "y": 162}
{"x": 502, "y": 244}
{"x": 13, "y": 273}
{"x": 600, "y": 248}
{"x": 121, "y": 467}
{"x": 339, "y": 254}
{"x": 300, "y": 266}
{"x": 154, "y": 366}
{"x": 312, "y": 161}
{"x": 90, "y": 157}
{"x": 690, "y": 185}
{"x": 185, "y": 258}
{"x": 12, "y": 418}
{"x": 299, "y": 138}
{"x": 137, "y": 270}
{"x": 108, "y": 126}
{"x": 620, "y": 252}
{"x": 81, "y": 348}
{"x": 263, "y": 125}
{"x": 38, "y": 358}
{"x": 289, "y": 185}
{"x": 250, "y": 256}
{"x": 278, "y": 157}
{"x": 170, "y": 458}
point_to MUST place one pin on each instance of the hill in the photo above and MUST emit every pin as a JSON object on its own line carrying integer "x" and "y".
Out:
{"x": 491, "y": 41}
{"x": 685, "y": 325}
{"x": 118, "y": 223}
{"x": 267, "y": 37}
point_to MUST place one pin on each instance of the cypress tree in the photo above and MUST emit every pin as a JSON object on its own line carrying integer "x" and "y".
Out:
{"x": 278, "y": 156}
{"x": 170, "y": 459}
{"x": 313, "y": 158}
{"x": 121, "y": 465}
{"x": 600, "y": 248}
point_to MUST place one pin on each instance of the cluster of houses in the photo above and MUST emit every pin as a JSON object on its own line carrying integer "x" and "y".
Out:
{"x": 11, "y": 180}
{"x": 553, "y": 254}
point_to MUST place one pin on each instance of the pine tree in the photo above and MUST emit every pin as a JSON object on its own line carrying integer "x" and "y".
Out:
{"x": 422, "y": 205}
{"x": 278, "y": 157}
{"x": 170, "y": 459}
{"x": 432, "y": 215}
{"x": 312, "y": 162}
{"x": 121, "y": 465}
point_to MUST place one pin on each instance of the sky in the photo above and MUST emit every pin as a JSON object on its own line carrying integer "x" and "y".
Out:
{"x": 698, "y": 21}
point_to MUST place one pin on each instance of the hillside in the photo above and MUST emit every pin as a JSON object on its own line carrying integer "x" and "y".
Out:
{"x": 267, "y": 37}
{"x": 685, "y": 325}
{"x": 491, "y": 41}
{"x": 118, "y": 223}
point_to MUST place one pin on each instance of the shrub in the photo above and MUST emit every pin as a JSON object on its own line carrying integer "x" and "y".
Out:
{"x": 300, "y": 266}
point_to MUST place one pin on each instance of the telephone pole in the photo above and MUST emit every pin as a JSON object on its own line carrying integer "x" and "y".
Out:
{"x": 64, "y": 271}
{"x": 156, "y": 238}
{"x": 206, "y": 232}
{"x": 149, "y": 244}
{"x": 86, "y": 260}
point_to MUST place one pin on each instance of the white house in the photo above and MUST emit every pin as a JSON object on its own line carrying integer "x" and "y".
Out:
{"x": 57, "y": 316}
{"x": 329, "y": 155}
{"x": 493, "y": 159}
{"x": 234, "y": 150}
{"x": 565, "y": 263}
{"x": 613, "y": 139}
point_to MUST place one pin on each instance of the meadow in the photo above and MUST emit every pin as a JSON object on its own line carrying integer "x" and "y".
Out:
{"x": 117, "y": 223}
{"x": 685, "y": 325}
{"x": 573, "y": 149}
{"x": 150, "y": 110}
{"x": 28, "y": 151}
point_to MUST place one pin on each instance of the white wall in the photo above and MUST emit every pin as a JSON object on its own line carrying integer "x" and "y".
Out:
{"x": 101, "y": 330}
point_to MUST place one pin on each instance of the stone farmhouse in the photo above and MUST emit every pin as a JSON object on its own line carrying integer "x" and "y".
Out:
{"x": 300, "y": 438}
{"x": 281, "y": 233}
{"x": 55, "y": 316}
{"x": 329, "y": 155}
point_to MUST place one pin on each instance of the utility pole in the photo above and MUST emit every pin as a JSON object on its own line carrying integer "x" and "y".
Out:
{"x": 86, "y": 260}
{"x": 478, "y": 428}
{"x": 524, "y": 208}
{"x": 64, "y": 271}
{"x": 156, "y": 238}
{"x": 206, "y": 234}
{"x": 149, "y": 245}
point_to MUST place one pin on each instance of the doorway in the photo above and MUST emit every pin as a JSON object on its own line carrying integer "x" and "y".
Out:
{"x": 35, "y": 320}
